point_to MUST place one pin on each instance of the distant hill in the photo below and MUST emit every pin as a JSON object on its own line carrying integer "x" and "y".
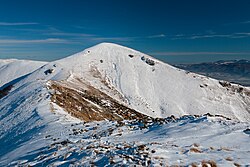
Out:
{"x": 236, "y": 71}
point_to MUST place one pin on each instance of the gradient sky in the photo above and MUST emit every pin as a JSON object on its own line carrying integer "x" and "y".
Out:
{"x": 174, "y": 31}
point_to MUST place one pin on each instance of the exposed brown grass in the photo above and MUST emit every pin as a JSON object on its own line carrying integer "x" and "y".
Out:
{"x": 195, "y": 150}
{"x": 196, "y": 145}
{"x": 91, "y": 104}
{"x": 209, "y": 162}
{"x": 104, "y": 80}
{"x": 226, "y": 149}
{"x": 229, "y": 159}
{"x": 194, "y": 165}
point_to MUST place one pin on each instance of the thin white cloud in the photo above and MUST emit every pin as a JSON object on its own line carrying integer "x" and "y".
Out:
{"x": 179, "y": 35}
{"x": 123, "y": 39}
{"x": 245, "y": 22}
{"x": 237, "y": 23}
{"x": 17, "y": 23}
{"x": 201, "y": 36}
{"x": 85, "y": 27}
{"x": 32, "y": 41}
{"x": 197, "y": 53}
{"x": 69, "y": 34}
{"x": 211, "y": 36}
{"x": 157, "y": 36}
{"x": 126, "y": 39}
{"x": 243, "y": 33}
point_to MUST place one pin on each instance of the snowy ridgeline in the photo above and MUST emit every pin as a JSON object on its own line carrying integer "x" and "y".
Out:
{"x": 36, "y": 127}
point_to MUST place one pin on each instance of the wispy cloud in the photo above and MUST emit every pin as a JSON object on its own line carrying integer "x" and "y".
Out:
{"x": 121, "y": 39}
{"x": 243, "y": 33}
{"x": 32, "y": 41}
{"x": 198, "y": 53}
{"x": 48, "y": 31}
{"x": 211, "y": 36}
{"x": 245, "y": 22}
{"x": 17, "y": 23}
{"x": 237, "y": 23}
{"x": 157, "y": 36}
{"x": 85, "y": 27}
{"x": 201, "y": 36}
{"x": 129, "y": 38}
{"x": 69, "y": 34}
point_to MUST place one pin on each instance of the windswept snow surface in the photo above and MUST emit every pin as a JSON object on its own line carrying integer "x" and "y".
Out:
{"x": 185, "y": 141}
{"x": 12, "y": 69}
{"x": 35, "y": 131}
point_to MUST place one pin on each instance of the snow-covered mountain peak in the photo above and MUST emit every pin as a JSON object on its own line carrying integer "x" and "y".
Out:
{"x": 49, "y": 113}
{"x": 109, "y": 47}
{"x": 102, "y": 52}
{"x": 147, "y": 85}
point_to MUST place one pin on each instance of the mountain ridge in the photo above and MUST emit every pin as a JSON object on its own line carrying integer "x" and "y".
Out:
{"x": 96, "y": 106}
{"x": 236, "y": 71}
{"x": 145, "y": 84}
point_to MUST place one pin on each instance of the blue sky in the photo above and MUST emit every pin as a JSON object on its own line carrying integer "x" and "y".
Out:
{"x": 174, "y": 31}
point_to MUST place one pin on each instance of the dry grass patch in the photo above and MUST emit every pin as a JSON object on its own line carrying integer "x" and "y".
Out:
{"x": 196, "y": 145}
{"x": 195, "y": 150}
{"x": 229, "y": 159}
{"x": 208, "y": 163}
{"x": 91, "y": 104}
{"x": 194, "y": 165}
{"x": 226, "y": 149}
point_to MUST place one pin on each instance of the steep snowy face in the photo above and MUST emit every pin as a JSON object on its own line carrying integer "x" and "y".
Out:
{"x": 148, "y": 85}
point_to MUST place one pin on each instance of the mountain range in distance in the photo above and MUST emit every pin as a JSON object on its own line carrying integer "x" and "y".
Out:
{"x": 235, "y": 71}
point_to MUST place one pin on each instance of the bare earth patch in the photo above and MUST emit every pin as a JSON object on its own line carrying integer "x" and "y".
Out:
{"x": 91, "y": 104}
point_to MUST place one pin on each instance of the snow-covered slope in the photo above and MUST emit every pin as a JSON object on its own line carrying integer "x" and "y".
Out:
{"x": 148, "y": 85}
{"x": 12, "y": 69}
{"x": 187, "y": 141}
{"x": 36, "y": 129}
